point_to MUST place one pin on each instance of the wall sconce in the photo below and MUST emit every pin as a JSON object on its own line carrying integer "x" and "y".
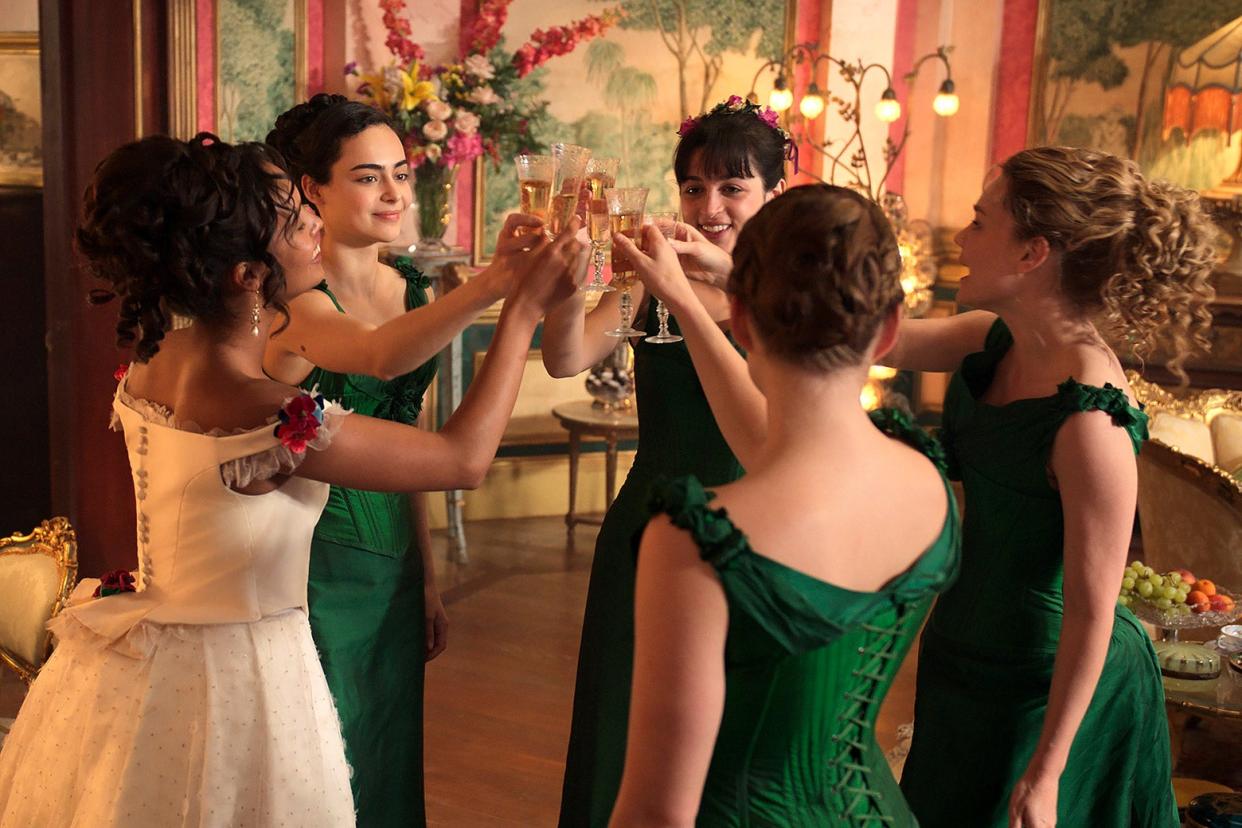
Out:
{"x": 848, "y": 158}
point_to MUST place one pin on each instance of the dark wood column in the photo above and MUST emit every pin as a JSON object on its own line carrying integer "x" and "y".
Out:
{"x": 104, "y": 68}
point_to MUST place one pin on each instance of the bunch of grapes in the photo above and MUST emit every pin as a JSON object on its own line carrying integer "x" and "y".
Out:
{"x": 1166, "y": 592}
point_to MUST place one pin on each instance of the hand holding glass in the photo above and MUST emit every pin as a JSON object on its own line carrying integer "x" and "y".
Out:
{"x": 667, "y": 224}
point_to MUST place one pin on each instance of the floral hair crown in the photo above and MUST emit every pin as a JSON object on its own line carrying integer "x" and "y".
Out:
{"x": 737, "y": 105}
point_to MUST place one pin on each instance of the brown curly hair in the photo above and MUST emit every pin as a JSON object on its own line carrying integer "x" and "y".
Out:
{"x": 817, "y": 270}
{"x": 1137, "y": 254}
{"x": 166, "y": 221}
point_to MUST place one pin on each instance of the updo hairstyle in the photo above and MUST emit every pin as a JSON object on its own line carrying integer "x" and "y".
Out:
{"x": 1135, "y": 253}
{"x": 310, "y": 134}
{"x": 818, "y": 270}
{"x": 734, "y": 145}
{"x": 166, "y": 221}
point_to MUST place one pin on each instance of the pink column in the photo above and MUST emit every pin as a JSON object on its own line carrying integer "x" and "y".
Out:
{"x": 1014, "y": 77}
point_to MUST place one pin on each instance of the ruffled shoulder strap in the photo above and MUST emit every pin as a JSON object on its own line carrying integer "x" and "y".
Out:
{"x": 305, "y": 421}
{"x": 1074, "y": 397}
{"x": 685, "y": 501}
{"x": 410, "y": 272}
{"x": 896, "y": 423}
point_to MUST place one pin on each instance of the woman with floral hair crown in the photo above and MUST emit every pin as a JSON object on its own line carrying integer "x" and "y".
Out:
{"x": 368, "y": 336}
{"x": 728, "y": 163}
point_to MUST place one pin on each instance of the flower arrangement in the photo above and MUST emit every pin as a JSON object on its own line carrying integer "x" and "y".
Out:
{"x": 300, "y": 419}
{"x": 451, "y": 114}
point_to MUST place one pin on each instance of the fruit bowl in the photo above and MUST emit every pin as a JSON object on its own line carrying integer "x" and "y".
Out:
{"x": 1171, "y": 620}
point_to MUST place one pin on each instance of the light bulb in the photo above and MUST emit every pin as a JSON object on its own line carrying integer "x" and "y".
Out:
{"x": 946, "y": 101}
{"x": 780, "y": 98}
{"x": 812, "y": 104}
{"x": 888, "y": 108}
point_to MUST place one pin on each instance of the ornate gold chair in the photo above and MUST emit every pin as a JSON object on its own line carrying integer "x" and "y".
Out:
{"x": 37, "y": 573}
{"x": 1189, "y": 499}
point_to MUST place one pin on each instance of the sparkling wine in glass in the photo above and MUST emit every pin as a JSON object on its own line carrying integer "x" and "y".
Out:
{"x": 571, "y": 165}
{"x": 535, "y": 178}
{"x": 625, "y": 216}
{"x": 667, "y": 224}
{"x": 601, "y": 174}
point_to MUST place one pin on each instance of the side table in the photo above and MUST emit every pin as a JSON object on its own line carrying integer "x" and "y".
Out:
{"x": 439, "y": 268}
{"x": 581, "y": 418}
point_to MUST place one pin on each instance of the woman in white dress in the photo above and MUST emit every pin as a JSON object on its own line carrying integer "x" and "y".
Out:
{"x": 191, "y": 694}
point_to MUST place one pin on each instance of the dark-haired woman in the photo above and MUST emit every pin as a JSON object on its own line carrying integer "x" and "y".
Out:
{"x": 191, "y": 694}
{"x": 728, "y": 163}
{"x": 1039, "y": 700}
{"x": 368, "y": 337}
{"x": 773, "y": 613}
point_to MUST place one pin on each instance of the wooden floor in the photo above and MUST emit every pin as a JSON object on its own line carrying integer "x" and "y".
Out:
{"x": 499, "y": 699}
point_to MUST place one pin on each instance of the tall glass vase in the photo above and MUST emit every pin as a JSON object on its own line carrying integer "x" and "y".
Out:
{"x": 433, "y": 193}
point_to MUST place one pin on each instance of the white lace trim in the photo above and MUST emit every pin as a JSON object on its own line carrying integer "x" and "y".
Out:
{"x": 239, "y": 473}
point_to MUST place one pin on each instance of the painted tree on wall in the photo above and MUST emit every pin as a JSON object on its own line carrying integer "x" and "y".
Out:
{"x": 627, "y": 91}
{"x": 255, "y": 65}
{"x": 698, "y": 33}
{"x": 1082, "y": 36}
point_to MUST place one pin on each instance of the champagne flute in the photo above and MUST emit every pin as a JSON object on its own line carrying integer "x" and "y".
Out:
{"x": 667, "y": 224}
{"x": 601, "y": 174}
{"x": 625, "y": 216}
{"x": 571, "y": 166}
{"x": 535, "y": 176}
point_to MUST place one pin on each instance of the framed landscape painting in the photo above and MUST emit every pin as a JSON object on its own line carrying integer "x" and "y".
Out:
{"x": 21, "y": 114}
{"x": 260, "y": 48}
{"x": 1159, "y": 82}
{"x": 624, "y": 94}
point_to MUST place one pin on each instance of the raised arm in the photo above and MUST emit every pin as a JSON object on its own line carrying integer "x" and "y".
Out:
{"x": 1094, "y": 466}
{"x": 574, "y": 339}
{"x": 318, "y": 334}
{"x": 382, "y": 456}
{"x": 680, "y": 624}
{"x": 939, "y": 344}
{"x": 738, "y": 405}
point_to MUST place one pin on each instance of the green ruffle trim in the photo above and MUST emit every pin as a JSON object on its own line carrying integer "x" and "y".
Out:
{"x": 896, "y": 423}
{"x": 405, "y": 266}
{"x": 1074, "y": 397}
{"x": 685, "y": 501}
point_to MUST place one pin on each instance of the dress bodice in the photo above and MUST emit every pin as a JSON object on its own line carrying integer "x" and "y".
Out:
{"x": 1008, "y": 600}
{"x": 678, "y": 434}
{"x": 207, "y": 554}
{"x": 377, "y": 522}
{"x": 807, "y": 664}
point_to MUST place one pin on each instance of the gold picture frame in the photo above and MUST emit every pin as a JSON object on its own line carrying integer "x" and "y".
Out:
{"x": 21, "y": 142}
{"x": 54, "y": 539}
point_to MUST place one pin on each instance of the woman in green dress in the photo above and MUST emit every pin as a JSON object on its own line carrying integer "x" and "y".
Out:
{"x": 727, "y": 167}
{"x": 773, "y": 613}
{"x": 368, "y": 338}
{"x": 1039, "y": 700}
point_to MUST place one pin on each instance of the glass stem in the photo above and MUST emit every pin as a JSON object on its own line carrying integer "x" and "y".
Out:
{"x": 662, "y": 315}
{"x": 599, "y": 264}
{"x": 627, "y": 309}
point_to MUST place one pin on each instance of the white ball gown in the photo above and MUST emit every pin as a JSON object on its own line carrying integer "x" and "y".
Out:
{"x": 197, "y": 700}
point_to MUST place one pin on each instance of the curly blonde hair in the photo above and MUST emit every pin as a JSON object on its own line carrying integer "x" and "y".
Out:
{"x": 1138, "y": 254}
{"x": 817, "y": 269}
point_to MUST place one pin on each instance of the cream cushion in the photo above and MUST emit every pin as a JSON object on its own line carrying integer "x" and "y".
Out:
{"x": 1227, "y": 441}
{"x": 29, "y": 587}
{"x": 1186, "y": 434}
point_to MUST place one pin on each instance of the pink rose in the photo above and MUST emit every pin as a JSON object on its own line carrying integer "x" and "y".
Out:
{"x": 466, "y": 122}
{"x": 439, "y": 110}
{"x": 435, "y": 130}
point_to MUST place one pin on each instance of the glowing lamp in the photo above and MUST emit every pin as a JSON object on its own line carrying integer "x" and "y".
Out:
{"x": 780, "y": 98}
{"x": 812, "y": 104}
{"x": 887, "y": 108}
{"x": 946, "y": 102}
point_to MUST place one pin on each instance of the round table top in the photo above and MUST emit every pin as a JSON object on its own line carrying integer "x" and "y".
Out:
{"x": 584, "y": 413}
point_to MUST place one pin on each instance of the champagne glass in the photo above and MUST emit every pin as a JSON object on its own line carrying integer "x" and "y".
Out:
{"x": 625, "y": 216}
{"x": 601, "y": 174}
{"x": 667, "y": 224}
{"x": 535, "y": 177}
{"x": 571, "y": 165}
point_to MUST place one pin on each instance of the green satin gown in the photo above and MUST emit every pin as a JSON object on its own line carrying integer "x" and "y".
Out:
{"x": 366, "y": 604}
{"x": 677, "y": 436}
{"x": 986, "y": 658}
{"x": 807, "y": 665}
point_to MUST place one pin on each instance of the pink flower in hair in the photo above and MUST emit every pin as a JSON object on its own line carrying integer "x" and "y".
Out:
{"x": 687, "y": 126}
{"x": 734, "y": 100}
{"x": 769, "y": 117}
